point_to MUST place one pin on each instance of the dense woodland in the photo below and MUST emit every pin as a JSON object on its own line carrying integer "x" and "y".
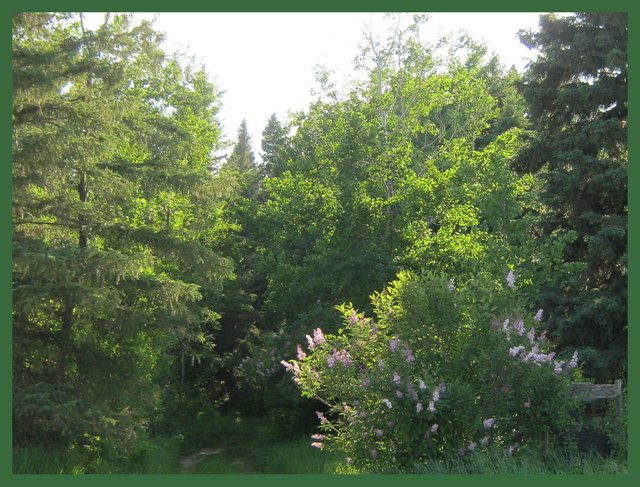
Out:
{"x": 157, "y": 287}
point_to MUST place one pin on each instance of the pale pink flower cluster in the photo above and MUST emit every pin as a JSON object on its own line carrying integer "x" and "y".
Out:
{"x": 318, "y": 338}
{"x": 342, "y": 356}
{"x": 534, "y": 355}
{"x": 291, "y": 367}
{"x": 378, "y": 432}
{"x": 354, "y": 317}
{"x": 538, "y": 316}
{"x": 488, "y": 423}
{"x": 418, "y": 407}
{"x": 321, "y": 417}
{"x": 408, "y": 355}
{"x": 572, "y": 364}
{"x": 393, "y": 344}
{"x": 300, "y": 352}
{"x": 317, "y": 444}
{"x": 317, "y": 437}
{"x": 511, "y": 279}
{"x": 518, "y": 326}
{"x": 396, "y": 378}
{"x": 437, "y": 391}
{"x": 434, "y": 428}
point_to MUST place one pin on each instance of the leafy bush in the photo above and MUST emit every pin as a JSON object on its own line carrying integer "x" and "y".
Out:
{"x": 438, "y": 371}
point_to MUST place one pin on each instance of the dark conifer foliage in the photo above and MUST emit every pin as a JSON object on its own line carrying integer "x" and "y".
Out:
{"x": 113, "y": 215}
{"x": 577, "y": 97}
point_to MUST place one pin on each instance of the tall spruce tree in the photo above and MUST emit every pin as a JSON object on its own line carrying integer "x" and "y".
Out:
{"x": 274, "y": 147}
{"x": 577, "y": 96}
{"x": 113, "y": 214}
{"x": 242, "y": 158}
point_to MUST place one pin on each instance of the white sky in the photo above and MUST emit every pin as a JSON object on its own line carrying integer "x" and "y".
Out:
{"x": 264, "y": 61}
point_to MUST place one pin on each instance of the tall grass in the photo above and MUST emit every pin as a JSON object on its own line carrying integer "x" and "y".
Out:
{"x": 527, "y": 463}
{"x": 38, "y": 459}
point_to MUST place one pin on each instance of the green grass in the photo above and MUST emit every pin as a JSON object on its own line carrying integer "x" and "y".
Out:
{"x": 37, "y": 459}
{"x": 292, "y": 457}
{"x": 250, "y": 445}
{"x": 531, "y": 463}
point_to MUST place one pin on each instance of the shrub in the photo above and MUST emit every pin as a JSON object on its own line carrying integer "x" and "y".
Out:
{"x": 438, "y": 371}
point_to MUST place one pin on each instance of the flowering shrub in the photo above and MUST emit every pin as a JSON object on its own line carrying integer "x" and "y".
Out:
{"x": 431, "y": 375}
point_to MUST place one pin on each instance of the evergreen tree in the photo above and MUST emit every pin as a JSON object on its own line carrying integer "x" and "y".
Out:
{"x": 577, "y": 96}
{"x": 242, "y": 158}
{"x": 275, "y": 147}
{"x": 114, "y": 215}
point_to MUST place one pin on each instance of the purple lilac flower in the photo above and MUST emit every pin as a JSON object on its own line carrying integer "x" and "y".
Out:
{"x": 301, "y": 354}
{"x": 393, "y": 344}
{"x": 411, "y": 391}
{"x": 531, "y": 336}
{"x": 513, "y": 351}
{"x": 431, "y": 407}
{"x": 505, "y": 325}
{"x": 511, "y": 279}
{"x": 342, "y": 356}
{"x": 399, "y": 394}
{"x": 461, "y": 451}
{"x": 312, "y": 344}
{"x": 318, "y": 336}
{"x": 436, "y": 394}
{"x": 365, "y": 381}
{"x": 434, "y": 428}
{"x": 321, "y": 417}
{"x": 378, "y": 432}
{"x": 380, "y": 364}
{"x": 331, "y": 361}
{"x": 573, "y": 363}
{"x": 396, "y": 378}
{"x": 354, "y": 317}
{"x": 484, "y": 441}
{"x": 511, "y": 449}
{"x": 488, "y": 423}
{"x": 374, "y": 453}
{"x": 538, "y": 316}
{"x": 408, "y": 355}
{"x": 558, "y": 366}
{"x": 472, "y": 446}
{"x": 519, "y": 326}
{"x": 422, "y": 385}
{"x": 418, "y": 407}
{"x": 387, "y": 403}
{"x": 527, "y": 404}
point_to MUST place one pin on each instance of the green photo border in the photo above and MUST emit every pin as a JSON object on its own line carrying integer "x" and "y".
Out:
{"x": 9, "y": 6}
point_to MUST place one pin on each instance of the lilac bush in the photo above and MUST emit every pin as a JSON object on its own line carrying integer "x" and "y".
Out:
{"x": 431, "y": 375}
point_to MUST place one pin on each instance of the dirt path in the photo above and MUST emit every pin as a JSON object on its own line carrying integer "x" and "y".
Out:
{"x": 191, "y": 461}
